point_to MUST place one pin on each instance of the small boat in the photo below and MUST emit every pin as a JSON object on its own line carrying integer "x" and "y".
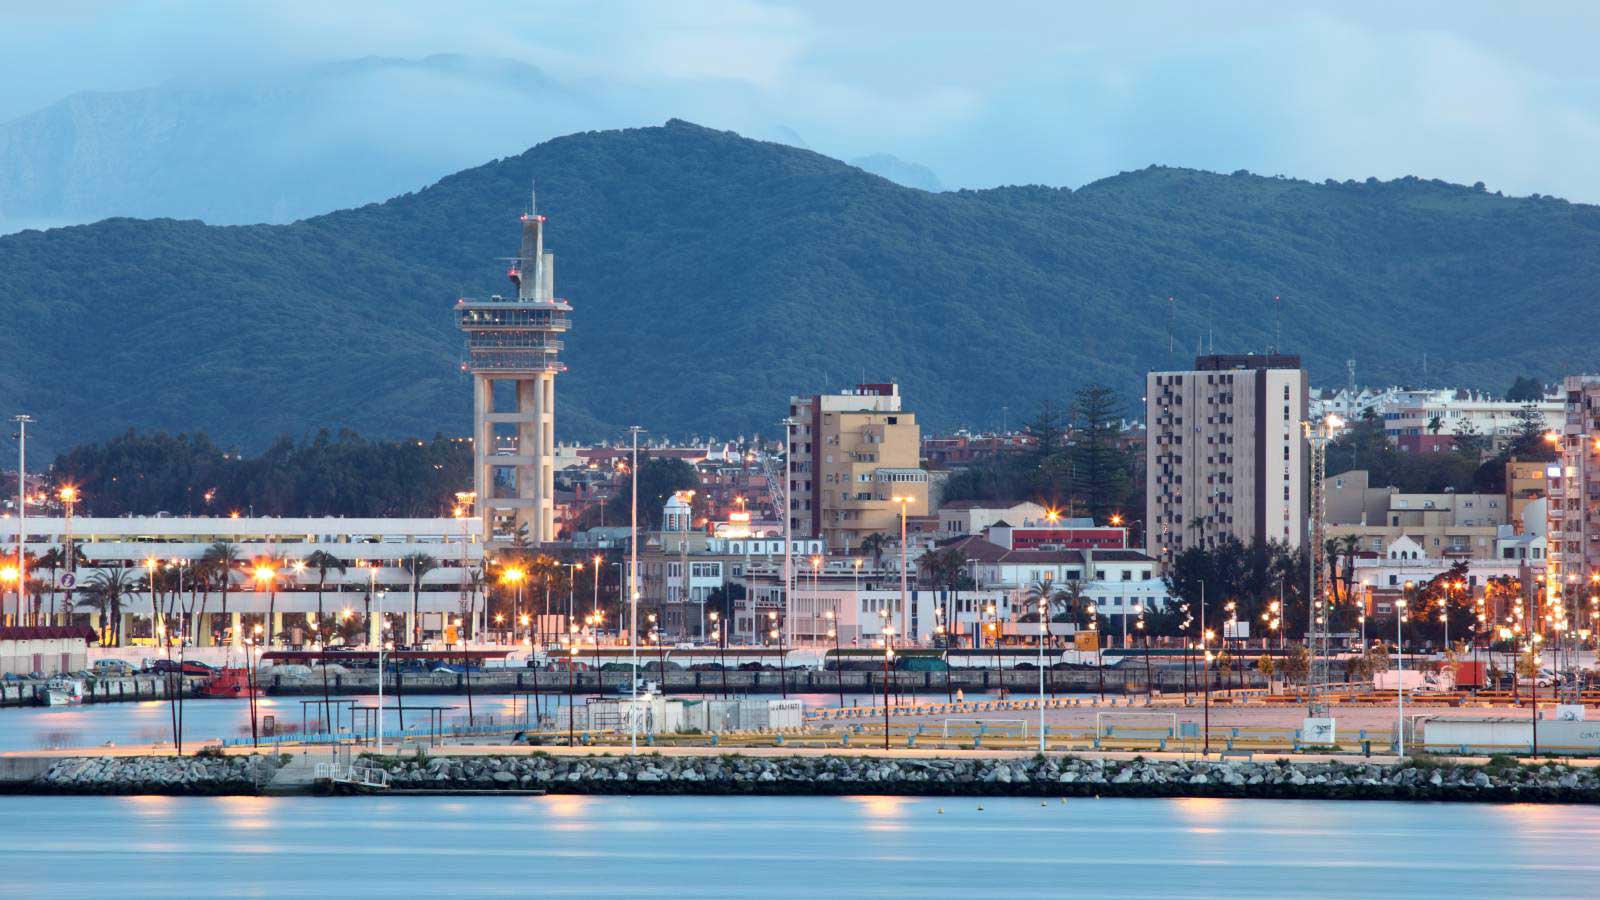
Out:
{"x": 228, "y": 683}
{"x": 63, "y": 691}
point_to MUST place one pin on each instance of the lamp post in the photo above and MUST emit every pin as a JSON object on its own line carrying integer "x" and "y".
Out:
{"x": 1205, "y": 677}
{"x": 905, "y": 609}
{"x": 251, "y": 671}
{"x": 888, "y": 655}
{"x": 1099, "y": 663}
{"x": 816, "y": 571}
{"x": 597, "y": 570}
{"x": 150, "y": 567}
{"x": 268, "y": 575}
{"x": 515, "y": 576}
{"x": 1400, "y": 681}
{"x": 572, "y": 668}
{"x": 838, "y": 662}
{"x": 1149, "y": 694}
{"x": 572, "y": 583}
{"x": 69, "y": 496}
{"x": 633, "y": 587}
{"x": 1044, "y": 625}
{"x": 719, "y": 634}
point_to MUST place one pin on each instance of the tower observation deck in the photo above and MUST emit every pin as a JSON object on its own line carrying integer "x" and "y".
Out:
{"x": 516, "y": 340}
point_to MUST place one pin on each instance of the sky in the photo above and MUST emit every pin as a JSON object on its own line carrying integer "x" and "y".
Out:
{"x": 983, "y": 94}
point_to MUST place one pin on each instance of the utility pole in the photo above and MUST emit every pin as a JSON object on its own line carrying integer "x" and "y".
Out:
{"x": 633, "y": 593}
{"x": 22, "y": 509}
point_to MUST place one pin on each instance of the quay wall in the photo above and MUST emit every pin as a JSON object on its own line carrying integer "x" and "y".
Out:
{"x": 835, "y": 774}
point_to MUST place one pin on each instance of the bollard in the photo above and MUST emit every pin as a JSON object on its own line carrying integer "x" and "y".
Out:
{"x": 716, "y": 739}
{"x": 1163, "y": 745}
{"x": 844, "y": 739}
{"x": 911, "y": 741}
{"x": 977, "y": 742}
{"x": 1366, "y": 748}
{"x": 778, "y": 740}
{"x": 649, "y": 739}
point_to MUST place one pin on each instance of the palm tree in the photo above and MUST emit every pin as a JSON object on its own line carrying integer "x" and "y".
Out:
{"x": 53, "y": 559}
{"x": 875, "y": 544}
{"x": 219, "y": 560}
{"x": 103, "y": 593}
{"x": 1040, "y": 593}
{"x": 324, "y": 562}
{"x": 477, "y": 578}
{"x": 417, "y": 565}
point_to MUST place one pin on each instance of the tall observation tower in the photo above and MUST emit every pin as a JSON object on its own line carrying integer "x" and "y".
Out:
{"x": 513, "y": 347}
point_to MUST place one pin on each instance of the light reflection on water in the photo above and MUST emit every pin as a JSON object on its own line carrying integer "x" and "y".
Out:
{"x": 781, "y": 847}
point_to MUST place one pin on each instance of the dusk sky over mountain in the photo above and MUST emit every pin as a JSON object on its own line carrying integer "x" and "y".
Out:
{"x": 980, "y": 95}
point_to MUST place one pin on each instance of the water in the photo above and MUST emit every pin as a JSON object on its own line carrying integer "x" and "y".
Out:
{"x": 881, "y": 847}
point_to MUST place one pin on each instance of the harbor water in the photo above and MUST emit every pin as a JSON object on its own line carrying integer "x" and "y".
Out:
{"x": 753, "y": 847}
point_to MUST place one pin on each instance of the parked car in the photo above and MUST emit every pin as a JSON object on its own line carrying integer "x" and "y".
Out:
{"x": 164, "y": 666}
{"x": 191, "y": 667}
{"x": 112, "y": 668}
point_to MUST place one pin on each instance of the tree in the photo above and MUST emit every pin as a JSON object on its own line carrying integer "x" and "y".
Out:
{"x": 874, "y": 545}
{"x": 1525, "y": 389}
{"x": 219, "y": 561}
{"x": 1099, "y": 467}
{"x": 323, "y": 562}
{"x": 103, "y": 593}
{"x": 53, "y": 559}
{"x": 417, "y": 565}
{"x": 1528, "y": 441}
{"x": 1266, "y": 666}
{"x": 1471, "y": 443}
{"x": 1297, "y": 665}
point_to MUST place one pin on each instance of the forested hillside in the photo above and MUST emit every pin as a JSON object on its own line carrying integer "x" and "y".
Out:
{"x": 711, "y": 276}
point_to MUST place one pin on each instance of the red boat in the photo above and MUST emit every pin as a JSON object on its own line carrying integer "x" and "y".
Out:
{"x": 228, "y": 683}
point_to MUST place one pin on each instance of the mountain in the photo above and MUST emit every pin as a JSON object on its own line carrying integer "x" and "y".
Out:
{"x": 279, "y": 146}
{"x": 897, "y": 170}
{"x": 713, "y": 276}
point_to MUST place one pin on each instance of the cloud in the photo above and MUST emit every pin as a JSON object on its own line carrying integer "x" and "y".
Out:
{"x": 999, "y": 92}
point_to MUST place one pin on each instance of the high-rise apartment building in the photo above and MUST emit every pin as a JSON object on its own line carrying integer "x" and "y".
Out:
{"x": 1227, "y": 453}
{"x": 851, "y": 454}
{"x": 1573, "y": 486}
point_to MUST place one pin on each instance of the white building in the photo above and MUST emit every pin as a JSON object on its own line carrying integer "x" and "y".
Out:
{"x": 370, "y": 549}
{"x": 1447, "y": 411}
{"x": 963, "y": 517}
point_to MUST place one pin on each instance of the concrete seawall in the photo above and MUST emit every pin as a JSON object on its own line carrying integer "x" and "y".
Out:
{"x": 1053, "y": 776}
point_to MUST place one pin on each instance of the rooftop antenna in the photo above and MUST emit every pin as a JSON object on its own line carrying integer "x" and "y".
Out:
{"x": 1211, "y": 341}
{"x": 1277, "y": 325}
{"x": 1171, "y": 349}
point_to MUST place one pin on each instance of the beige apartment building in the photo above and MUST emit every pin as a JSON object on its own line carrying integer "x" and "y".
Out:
{"x": 1227, "y": 453}
{"x": 852, "y": 453}
{"x": 1574, "y": 487}
{"x": 1443, "y": 526}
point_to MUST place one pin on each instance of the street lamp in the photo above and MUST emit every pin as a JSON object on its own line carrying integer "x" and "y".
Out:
{"x": 888, "y": 656}
{"x": 515, "y": 576}
{"x": 268, "y": 575}
{"x": 838, "y": 662}
{"x": 1400, "y": 671}
{"x": 905, "y": 610}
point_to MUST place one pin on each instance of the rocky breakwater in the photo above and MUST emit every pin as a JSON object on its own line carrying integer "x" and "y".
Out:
{"x": 1035, "y": 776}
{"x": 199, "y": 775}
